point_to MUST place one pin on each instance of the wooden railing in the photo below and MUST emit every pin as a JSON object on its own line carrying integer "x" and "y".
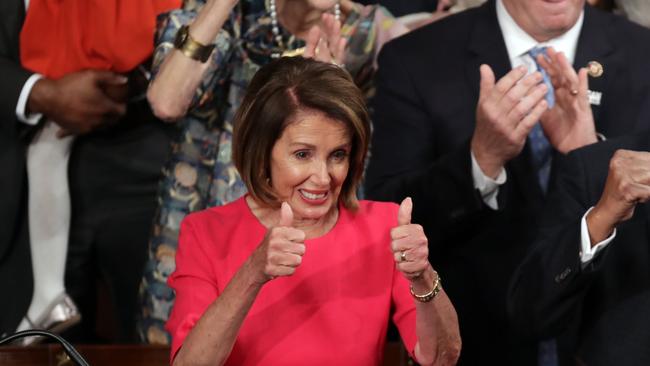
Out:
{"x": 127, "y": 355}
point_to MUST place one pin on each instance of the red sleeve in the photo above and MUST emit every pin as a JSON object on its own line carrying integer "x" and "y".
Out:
{"x": 404, "y": 315}
{"x": 193, "y": 281}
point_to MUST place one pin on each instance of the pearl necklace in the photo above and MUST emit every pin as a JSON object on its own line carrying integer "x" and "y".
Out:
{"x": 278, "y": 37}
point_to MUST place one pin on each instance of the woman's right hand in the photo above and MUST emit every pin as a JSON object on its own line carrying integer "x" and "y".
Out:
{"x": 281, "y": 251}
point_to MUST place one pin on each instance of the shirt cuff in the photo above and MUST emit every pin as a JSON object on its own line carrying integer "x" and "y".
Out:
{"x": 587, "y": 252}
{"x": 488, "y": 187}
{"x": 21, "y": 107}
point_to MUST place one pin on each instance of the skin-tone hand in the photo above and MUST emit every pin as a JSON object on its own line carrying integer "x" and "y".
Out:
{"x": 569, "y": 124}
{"x": 409, "y": 239}
{"x": 507, "y": 110}
{"x": 281, "y": 251}
{"x": 79, "y": 102}
{"x": 437, "y": 324}
{"x": 628, "y": 183}
{"x": 324, "y": 42}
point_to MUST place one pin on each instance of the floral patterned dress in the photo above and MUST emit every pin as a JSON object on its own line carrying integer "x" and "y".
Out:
{"x": 200, "y": 172}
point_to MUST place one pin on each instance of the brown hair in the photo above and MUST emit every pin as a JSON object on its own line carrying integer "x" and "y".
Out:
{"x": 276, "y": 94}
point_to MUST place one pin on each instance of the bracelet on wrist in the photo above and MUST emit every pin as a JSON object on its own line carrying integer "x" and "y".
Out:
{"x": 191, "y": 48}
{"x": 435, "y": 289}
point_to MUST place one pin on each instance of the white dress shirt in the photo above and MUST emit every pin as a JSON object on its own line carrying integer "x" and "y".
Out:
{"x": 518, "y": 43}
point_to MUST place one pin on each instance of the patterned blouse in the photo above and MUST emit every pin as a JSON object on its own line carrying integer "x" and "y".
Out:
{"x": 200, "y": 172}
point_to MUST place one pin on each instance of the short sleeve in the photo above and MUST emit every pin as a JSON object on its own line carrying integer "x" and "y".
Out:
{"x": 168, "y": 24}
{"x": 194, "y": 283}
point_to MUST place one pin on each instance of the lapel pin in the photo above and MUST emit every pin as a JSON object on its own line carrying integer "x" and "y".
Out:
{"x": 595, "y": 69}
{"x": 594, "y": 97}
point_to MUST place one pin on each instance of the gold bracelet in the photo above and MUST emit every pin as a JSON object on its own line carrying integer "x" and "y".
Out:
{"x": 429, "y": 295}
{"x": 191, "y": 48}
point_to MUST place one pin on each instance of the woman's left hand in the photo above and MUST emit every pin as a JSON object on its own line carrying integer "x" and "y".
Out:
{"x": 324, "y": 41}
{"x": 409, "y": 244}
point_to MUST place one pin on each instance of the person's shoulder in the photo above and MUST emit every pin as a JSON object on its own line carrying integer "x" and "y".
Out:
{"x": 621, "y": 29}
{"x": 377, "y": 211}
{"x": 219, "y": 215}
{"x": 449, "y": 29}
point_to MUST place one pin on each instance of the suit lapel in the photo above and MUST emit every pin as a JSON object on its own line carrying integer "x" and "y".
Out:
{"x": 594, "y": 44}
{"x": 486, "y": 46}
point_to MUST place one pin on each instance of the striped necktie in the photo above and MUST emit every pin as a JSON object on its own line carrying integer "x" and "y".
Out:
{"x": 541, "y": 149}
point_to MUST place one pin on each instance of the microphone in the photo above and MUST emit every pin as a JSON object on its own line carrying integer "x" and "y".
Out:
{"x": 67, "y": 347}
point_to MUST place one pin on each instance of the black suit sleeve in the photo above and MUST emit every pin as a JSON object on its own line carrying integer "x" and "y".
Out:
{"x": 13, "y": 80}
{"x": 15, "y": 263}
{"x": 549, "y": 287}
{"x": 404, "y": 159}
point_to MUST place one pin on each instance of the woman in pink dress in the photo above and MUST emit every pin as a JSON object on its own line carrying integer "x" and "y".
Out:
{"x": 299, "y": 271}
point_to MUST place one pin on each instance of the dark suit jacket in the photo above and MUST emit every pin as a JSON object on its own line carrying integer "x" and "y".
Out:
{"x": 424, "y": 117}
{"x": 15, "y": 262}
{"x": 606, "y": 304}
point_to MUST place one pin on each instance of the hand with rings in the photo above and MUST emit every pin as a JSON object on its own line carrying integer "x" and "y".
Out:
{"x": 570, "y": 123}
{"x": 409, "y": 244}
{"x": 324, "y": 41}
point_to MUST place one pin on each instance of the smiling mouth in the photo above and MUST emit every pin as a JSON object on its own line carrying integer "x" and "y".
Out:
{"x": 313, "y": 196}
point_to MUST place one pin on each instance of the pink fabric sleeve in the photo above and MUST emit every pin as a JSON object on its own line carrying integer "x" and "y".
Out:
{"x": 404, "y": 315}
{"x": 194, "y": 283}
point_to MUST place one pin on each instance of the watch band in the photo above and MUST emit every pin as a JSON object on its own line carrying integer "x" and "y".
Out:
{"x": 191, "y": 48}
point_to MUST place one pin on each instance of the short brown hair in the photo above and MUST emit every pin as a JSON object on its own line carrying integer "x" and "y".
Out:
{"x": 277, "y": 93}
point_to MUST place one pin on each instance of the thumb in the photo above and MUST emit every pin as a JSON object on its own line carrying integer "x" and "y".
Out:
{"x": 404, "y": 212}
{"x": 487, "y": 79}
{"x": 286, "y": 215}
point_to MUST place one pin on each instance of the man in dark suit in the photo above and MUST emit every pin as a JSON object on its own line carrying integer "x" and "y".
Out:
{"x": 15, "y": 263}
{"x": 114, "y": 170}
{"x": 588, "y": 276}
{"x": 453, "y": 135}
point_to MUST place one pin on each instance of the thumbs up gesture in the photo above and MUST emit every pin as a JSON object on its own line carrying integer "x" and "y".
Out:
{"x": 281, "y": 251}
{"x": 409, "y": 244}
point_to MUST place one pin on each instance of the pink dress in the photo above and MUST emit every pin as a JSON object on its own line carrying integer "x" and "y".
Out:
{"x": 334, "y": 310}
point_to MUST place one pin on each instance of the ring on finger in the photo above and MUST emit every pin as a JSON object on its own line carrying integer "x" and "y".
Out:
{"x": 574, "y": 92}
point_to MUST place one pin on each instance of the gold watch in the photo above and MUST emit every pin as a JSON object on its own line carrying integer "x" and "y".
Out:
{"x": 191, "y": 48}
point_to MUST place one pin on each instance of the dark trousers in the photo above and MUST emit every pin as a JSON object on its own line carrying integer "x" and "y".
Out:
{"x": 114, "y": 177}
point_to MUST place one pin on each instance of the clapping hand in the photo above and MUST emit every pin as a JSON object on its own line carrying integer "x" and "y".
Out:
{"x": 507, "y": 110}
{"x": 324, "y": 41}
{"x": 569, "y": 124}
{"x": 281, "y": 251}
{"x": 409, "y": 244}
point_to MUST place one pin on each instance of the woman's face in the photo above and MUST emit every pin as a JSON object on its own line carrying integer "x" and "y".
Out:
{"x": 309, "y": 164}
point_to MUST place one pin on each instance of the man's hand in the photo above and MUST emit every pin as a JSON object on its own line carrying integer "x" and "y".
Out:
{"x": 569, "y": 124}
{"x": 628, "y": 183}
{"x": 79, "y": 102}
{"x": 507, "y": 110}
